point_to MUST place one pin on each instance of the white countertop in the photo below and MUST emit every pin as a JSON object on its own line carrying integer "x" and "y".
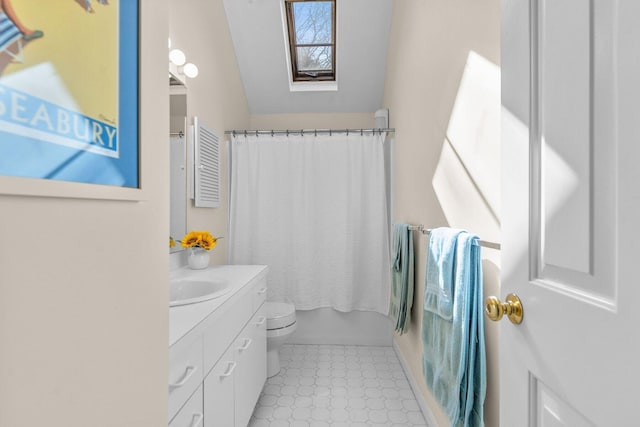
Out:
{"x": 184, "y": 318}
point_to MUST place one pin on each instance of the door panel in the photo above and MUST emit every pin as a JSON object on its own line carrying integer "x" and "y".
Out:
{"x": 550, "y": 410}
{"x": 572, "y": 146}
{"x": 570, "y": 132}
{"x": 563, "y": 98}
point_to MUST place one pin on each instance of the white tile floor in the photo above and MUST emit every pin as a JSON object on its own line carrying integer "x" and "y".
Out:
{"x": 336, "y": 385}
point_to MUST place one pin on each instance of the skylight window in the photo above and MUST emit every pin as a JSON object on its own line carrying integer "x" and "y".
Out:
{"x": 312, "y": 39}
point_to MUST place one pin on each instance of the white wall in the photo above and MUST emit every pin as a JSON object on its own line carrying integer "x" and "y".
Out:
{"x": 428, "y": 53}
{"x": 216, "y": 96}
{"x": 312, "y": 121}
{"x": 83, "y": 285}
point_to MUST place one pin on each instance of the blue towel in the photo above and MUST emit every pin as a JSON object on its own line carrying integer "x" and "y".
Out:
{"x": 402, "y": 268}
{"x": 438, "y": 292}
{"x": 454, "y": 360}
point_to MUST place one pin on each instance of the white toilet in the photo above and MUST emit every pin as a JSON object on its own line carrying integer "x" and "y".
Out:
{"x": 281, "y": 323}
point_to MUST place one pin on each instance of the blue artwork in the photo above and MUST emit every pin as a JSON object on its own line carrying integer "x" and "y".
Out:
{"x": 69, "y": 91}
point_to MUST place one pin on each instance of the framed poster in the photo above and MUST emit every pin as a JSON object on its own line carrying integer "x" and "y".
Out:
{"x": 69, "y": 91}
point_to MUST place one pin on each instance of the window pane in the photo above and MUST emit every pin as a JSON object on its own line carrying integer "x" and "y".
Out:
{"x": 312, "y": 22}
{"x": 314, "y": 58}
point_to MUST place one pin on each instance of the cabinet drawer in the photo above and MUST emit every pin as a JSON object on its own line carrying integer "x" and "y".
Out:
{"x": 191, "y": 414}
{"x": 185, "y": 373}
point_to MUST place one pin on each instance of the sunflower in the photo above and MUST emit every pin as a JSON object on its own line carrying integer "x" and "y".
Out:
{"x": 199, "y": 239}
{"x": 172, "y": 243}
{"x": 191, "y": 239}
{"x": 207, "y": 241}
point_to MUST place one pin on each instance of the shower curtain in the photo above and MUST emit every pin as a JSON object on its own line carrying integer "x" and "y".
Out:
{"x": 313, "y": 208}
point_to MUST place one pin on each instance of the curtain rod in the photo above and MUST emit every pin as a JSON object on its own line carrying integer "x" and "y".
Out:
{"x": 303, "y": 131}
{"x": 484, "y": 243}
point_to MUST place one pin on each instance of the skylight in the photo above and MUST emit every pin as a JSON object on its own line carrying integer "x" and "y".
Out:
{"x": 312, "y": 37}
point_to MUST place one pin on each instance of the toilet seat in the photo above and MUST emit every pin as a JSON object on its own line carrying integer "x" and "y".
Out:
{"x": 280, "y": 315}
{"x": 281, "y": 332}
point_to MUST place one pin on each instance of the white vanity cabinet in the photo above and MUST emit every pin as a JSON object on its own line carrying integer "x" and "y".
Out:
{"x": 218, "y": 366}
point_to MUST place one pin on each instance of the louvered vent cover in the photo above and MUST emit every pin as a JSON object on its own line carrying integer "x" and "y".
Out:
{"x": 207, "y": 166}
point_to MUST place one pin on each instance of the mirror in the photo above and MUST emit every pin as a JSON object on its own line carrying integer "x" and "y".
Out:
{"x": 178, "y": 161}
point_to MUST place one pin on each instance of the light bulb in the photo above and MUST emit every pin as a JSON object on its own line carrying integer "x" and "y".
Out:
{"x": 169, "y": 43}
{"x": 190, "y": 70}
{"x": 177, "y": 57}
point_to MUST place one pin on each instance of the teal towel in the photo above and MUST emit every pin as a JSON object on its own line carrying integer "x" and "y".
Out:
{"x": 454, "y": 359}
{"x": 402, "y": 277}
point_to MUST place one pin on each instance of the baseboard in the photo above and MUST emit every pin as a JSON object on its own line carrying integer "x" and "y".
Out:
{"x": 428, "y": 416}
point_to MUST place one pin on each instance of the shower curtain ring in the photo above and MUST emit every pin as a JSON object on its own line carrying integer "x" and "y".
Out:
{"x": 271, "y": 133}
{"x": 245, "y": 133}
{"x": 256, "y": 133}
{"x": 361, "y": 131}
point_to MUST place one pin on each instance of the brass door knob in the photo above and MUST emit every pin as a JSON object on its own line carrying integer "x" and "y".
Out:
{"x": 495, "y": 309}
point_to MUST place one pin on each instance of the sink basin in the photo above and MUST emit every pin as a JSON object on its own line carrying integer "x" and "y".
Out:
{"x": 190, "y": 291}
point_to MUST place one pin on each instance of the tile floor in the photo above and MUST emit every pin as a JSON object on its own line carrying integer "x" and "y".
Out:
{"x": 337, "y": 385}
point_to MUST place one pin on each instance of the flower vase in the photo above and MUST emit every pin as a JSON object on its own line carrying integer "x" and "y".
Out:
{"x": 197, "y": 258}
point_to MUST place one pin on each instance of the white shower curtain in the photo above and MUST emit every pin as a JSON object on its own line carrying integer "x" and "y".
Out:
{"x": 313, "y": 208}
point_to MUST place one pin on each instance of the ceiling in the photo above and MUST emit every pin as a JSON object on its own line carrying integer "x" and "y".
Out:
{"x": 362, "y": 38}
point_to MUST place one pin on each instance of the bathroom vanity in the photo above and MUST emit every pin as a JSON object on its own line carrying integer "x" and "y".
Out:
{"x": 217, "y": 351}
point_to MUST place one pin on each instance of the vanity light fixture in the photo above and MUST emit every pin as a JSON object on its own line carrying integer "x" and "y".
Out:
{"x": 190, "y": 70}
{"x": 177, "y": 57}
{"x": 178, "y": 61}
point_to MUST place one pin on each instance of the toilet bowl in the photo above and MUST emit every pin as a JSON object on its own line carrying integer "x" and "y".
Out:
{"x": 281, "y": 323}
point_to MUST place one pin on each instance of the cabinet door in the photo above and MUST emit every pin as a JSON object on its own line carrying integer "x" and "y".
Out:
{"x": 223, "y": 327}
{"x": 251, "y": 356}
{"x": 259, "y": 294}
{"x": 185, "y": 372}
{"x": 258, "y": 355}
{"x": 219, "y": 392}
{"x": 191, "y": 414}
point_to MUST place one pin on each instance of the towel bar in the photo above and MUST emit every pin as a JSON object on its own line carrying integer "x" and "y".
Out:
{"x": 483, "y": 243}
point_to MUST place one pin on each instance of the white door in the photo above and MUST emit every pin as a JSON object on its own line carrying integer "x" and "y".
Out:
{"x": 571, "y": 234}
